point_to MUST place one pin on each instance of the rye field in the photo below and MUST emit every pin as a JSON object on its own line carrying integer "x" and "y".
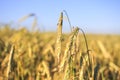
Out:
{"x": 36, "y": 55}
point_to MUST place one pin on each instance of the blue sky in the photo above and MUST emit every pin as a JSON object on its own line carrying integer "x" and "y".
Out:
{"x": 93, "y": 16}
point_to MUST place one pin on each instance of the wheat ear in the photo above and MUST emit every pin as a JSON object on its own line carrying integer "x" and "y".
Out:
{"x": 59, "y": 37}
{"x": 10, "y": 61}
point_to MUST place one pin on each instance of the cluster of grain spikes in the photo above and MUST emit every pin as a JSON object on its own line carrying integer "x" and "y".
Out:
{"x": 67, "y": 63}
{"x": 68, "y": 60}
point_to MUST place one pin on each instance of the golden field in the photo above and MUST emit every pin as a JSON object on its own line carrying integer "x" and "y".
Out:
{"x": 35, "y": 55}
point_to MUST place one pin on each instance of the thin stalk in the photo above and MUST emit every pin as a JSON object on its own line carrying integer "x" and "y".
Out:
{"x": 90, "y": 63}
{"x": 68, "y": 19}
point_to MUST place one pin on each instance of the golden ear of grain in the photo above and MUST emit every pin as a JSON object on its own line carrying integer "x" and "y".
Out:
{"x": 25, "y": 17}
{"x": 91, "y": 66}
{"x": 70, "y": 72}
{"x": 106, "y": 54}
{"x": 10, "y": 61}
{"x": 68, "y": 49}
{"x": 47, "y": 70}
{"x": 78, "y": 43}
{"x": 59, "y": 37}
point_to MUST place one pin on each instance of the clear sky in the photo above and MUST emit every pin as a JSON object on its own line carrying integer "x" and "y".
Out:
{"x": 94, "y": 16}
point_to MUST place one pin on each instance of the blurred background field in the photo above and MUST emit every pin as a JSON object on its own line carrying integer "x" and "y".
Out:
{"x": 34, "y": 54}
